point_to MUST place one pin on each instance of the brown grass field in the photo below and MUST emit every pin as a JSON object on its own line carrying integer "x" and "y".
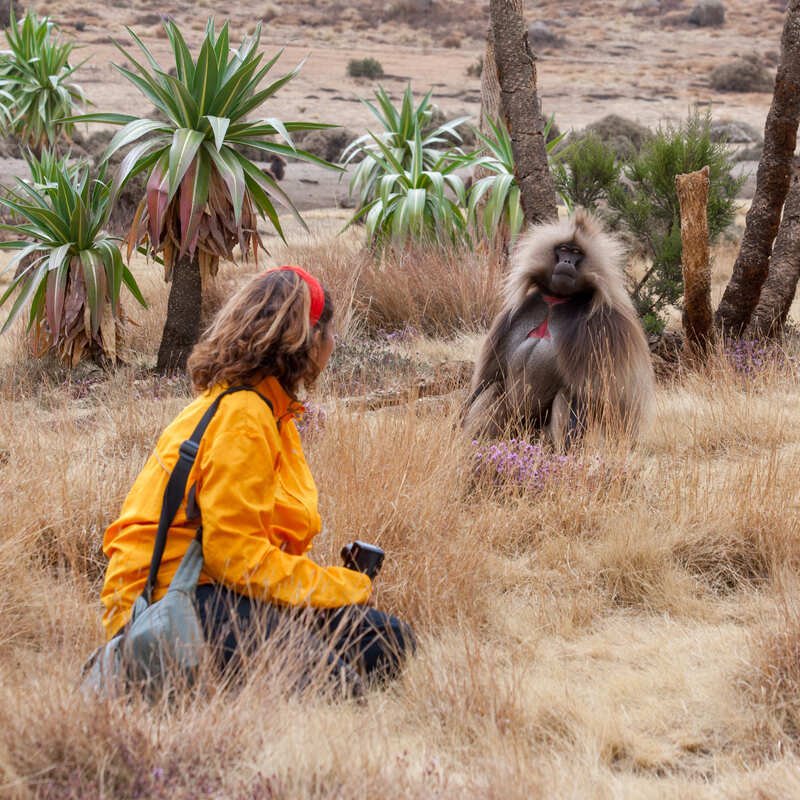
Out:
{"x": 628, "y": 627}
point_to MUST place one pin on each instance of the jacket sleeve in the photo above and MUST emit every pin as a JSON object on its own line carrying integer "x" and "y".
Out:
{"x": 236, "y": 494}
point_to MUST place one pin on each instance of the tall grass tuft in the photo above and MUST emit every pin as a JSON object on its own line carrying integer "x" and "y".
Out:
{"x": 442, "y": 291}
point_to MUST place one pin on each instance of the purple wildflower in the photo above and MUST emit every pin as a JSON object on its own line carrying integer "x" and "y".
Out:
{"x": 518, "y": 462}
{"x": 534, "y": 467}
{"x": 405, "y": 334}
{"x": 749, "y": 357}
{"x": 312, "y": 421}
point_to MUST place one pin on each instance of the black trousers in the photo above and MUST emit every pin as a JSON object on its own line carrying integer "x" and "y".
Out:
{"x": 354, "y": 645}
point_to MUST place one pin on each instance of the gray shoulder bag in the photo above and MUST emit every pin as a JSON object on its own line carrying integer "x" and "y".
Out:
{"x": 164, "y": 637}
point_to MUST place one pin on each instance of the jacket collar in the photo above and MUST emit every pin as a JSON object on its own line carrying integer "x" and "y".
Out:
{"x": 283, "y": 405}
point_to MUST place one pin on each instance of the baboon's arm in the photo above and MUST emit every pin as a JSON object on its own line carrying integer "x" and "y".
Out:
{"x": 488, "y": 380}
{"x": 490, "y": 366}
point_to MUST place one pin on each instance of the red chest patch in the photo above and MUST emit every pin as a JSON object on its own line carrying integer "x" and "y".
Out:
{"x": 543, "y": 331}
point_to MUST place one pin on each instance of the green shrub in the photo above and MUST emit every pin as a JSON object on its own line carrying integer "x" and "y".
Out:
{"x": 639, "y": 198}
{"x": 586, "y": 171}
{"x": 414, "y": 203}
{"x": 646, "y": 206}
{"x": 203, "y": 195}
{"x": 475, "y": 70}
{"x": 365, "y": 68}
{"x": 495, "y": 209}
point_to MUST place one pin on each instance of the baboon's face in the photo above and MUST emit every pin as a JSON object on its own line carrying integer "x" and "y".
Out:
{"x": 566, "y": 278}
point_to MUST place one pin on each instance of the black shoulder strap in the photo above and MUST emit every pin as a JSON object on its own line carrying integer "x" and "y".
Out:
{"x": 176, "y": 485}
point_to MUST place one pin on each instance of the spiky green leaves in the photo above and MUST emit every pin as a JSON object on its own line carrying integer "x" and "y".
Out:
{"x": 68, "y": 270}
{"x": 202, "y": 193}
{"x": 36, "y": 87}
{"x": 400, "y": 127}
{"x": 494, "y": 201}
{"x": 405, "y": 182}
{"x": 494, "y": 209}
{"x": 416, "y": 203}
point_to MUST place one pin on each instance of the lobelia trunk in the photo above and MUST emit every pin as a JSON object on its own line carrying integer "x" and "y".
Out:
{"x": 772, "y": 184}
{"x": 490, "y": 109}
{"x": 182, "y": 326}
{"x": 490, "y": 85}
{"x": 779, "y": 289}
{"x": 519, "y": 102}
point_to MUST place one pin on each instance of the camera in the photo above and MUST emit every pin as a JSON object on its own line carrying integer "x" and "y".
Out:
{"x": 363, "y": 557}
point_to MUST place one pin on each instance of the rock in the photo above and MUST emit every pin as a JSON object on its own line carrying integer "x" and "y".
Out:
{"x": 405, "y": 7}
{"x": 734, "y": 132}
{"x": 541, "y": 35}
{"x": 6, "y": 7}
{"x": 745, "y": 74}
{"x": 9, "y": 148}
{"x": 645, "y": 7}
{"x": 708, "y": 14}
{"x": 439, "y": 116}
{"x": 675, "y": 19}
{"x": 668, "y": 344}
{"x": 328, "y": 143}
{"x": 746, "y": 169}
{"x": 93, "y": 145}
{"x": 752, "y": 153}
{"x": 624, "y": 136}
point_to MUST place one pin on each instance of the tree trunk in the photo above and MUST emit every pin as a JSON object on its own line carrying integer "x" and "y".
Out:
{"x": 698, "y": 316}
{"x": 182, "y": 326}
{"x": 490, "y": 109}
{"x": 519, "y": 102}
{"x": 779, "y": 289}
{"x": 490, "y": 84}
{"x": 772, "y": 184}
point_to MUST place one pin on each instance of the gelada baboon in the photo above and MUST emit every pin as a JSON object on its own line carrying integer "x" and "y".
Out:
{"x": 567, "y": 349}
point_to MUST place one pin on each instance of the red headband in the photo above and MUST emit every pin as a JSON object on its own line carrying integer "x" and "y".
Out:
{"x": 314, "y": 288}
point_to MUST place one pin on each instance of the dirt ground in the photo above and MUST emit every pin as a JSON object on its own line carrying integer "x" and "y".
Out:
{"x": 635, "y": 58}
{"x": 612, "y": 61}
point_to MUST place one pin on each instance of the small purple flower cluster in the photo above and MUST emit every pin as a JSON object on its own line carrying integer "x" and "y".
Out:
{"x": 749, "y": 357}
{"x": 406, "y": 334}
{"x": 312, "y": 420}
{"x": 519, "y": 462}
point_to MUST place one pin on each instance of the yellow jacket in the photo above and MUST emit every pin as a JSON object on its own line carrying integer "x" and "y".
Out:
{"x": 259, "y": 512}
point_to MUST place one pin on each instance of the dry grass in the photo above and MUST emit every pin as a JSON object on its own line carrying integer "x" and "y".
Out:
{"x": 440, "y": 292}
{"x": 628, "y": 630}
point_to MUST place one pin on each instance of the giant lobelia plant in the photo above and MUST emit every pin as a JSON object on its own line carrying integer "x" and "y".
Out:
{"x": 394, "y": 147}
{"x": 494, "y": 208}
{"x": 203, "y": 194}
{"x": 36, "y": 87}
{"x": 414, "y": 202}
{"x": 69, "y": 272}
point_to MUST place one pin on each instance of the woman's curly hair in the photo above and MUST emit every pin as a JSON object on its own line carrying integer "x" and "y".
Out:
{"x": 263, "y": 330}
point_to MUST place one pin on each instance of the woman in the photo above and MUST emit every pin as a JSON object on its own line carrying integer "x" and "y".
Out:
{"x": 254, "y": 494}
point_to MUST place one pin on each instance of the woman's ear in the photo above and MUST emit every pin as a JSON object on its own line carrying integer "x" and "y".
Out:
{"x": 316, "y": 344}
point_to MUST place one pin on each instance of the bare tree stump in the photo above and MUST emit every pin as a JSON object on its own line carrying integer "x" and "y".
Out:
{"x": 698, "y": 317}
{"x": 519, "y": 102}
